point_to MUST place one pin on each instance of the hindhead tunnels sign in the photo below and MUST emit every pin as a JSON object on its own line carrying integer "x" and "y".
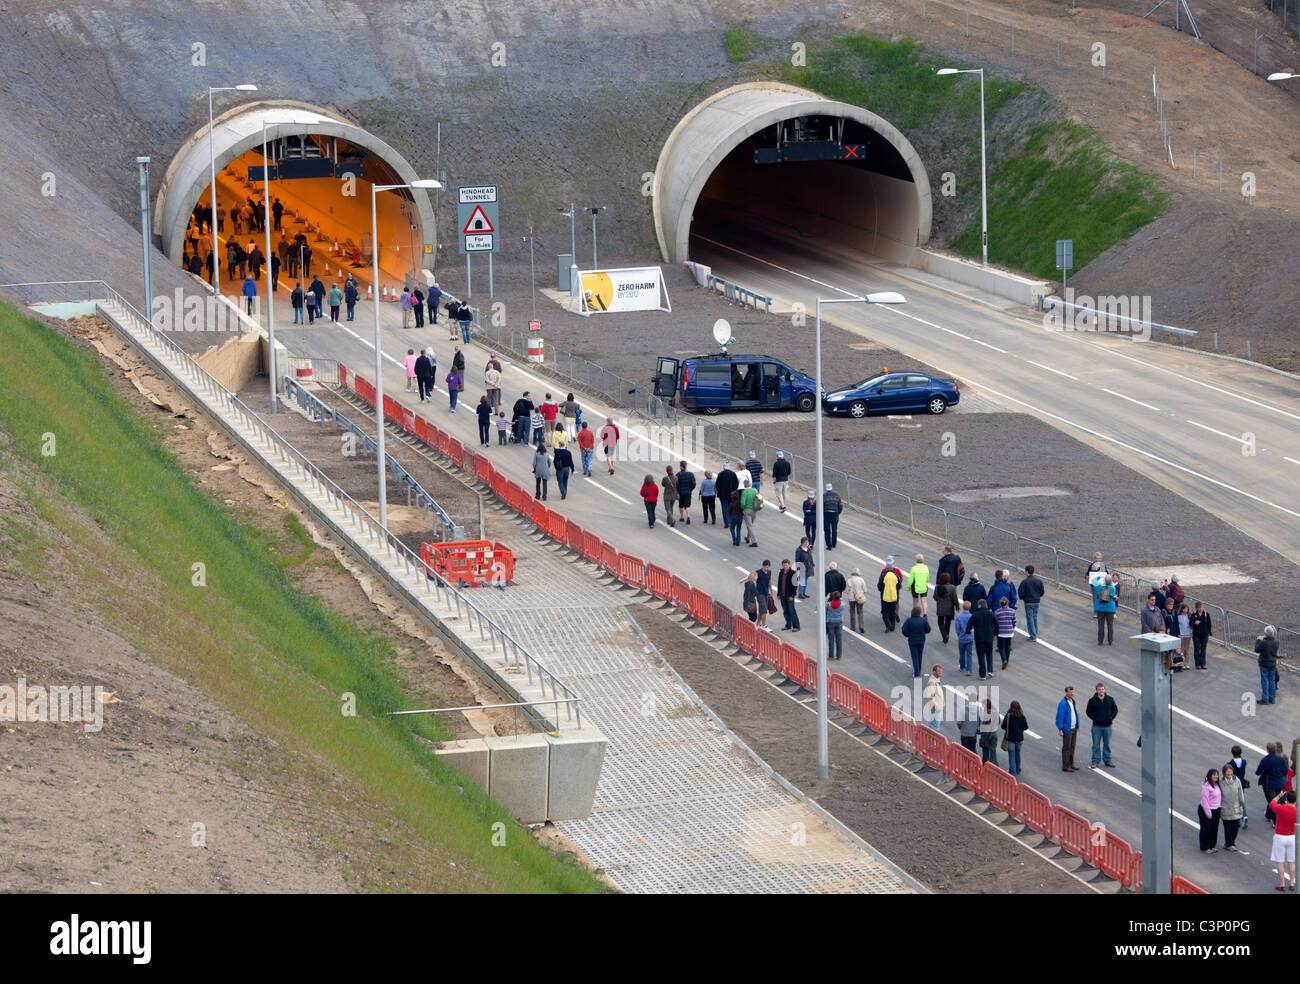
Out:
{"x": 631, "y": 289}
{"x": 476, "y": 219}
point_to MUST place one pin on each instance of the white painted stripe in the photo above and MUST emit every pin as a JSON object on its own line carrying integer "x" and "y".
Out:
{"x": 1050, "y": 369}
{"x": 1230, "y": 437}
{"x": 1292, "y": 460}
{"x": 957, "y": 333}
{"x": 1137, "y": 792}
{"x": 987, "y": 345}
{"x": 1130, "y": 399}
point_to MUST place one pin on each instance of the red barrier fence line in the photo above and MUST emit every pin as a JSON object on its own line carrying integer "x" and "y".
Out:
{"x": 609, "y": 558}
{"x": 998, "y": 787}
{"x": 900, "y": 729}
{"x": 591, "y": 546}
{"x": 526, "y": 505}
{"x": 573, "y": 535}
{"x": 931, "y": 747}
{"x": 456, "y": 451}
{"x": 343, "y": 376}
{"x": 484, "y": 470}
{"x": 658, "y": 581}
{"x": 1181, "y": 886}
{"x": 1035, "y": 810}
{"x": 746, "y": 634}
{"x": 844, "y": 694}
{"x": 793, "y": 665}
{"x": 422, "y": 429}
{"x": 1112, "y": 855}
{"x": 964, "y": 766}
{"x": 408, "y": 420}
{"x": 810, "y": 675}
{"x": 875, "y": 712}
{"x": 631, "y": 570}
{"x": 769, "y": 650}
{"x": 1073, "y": 833}
{"x": 724, "y": 621}
{"x": 702, "y": 607}
{"x": 681, "y": 594}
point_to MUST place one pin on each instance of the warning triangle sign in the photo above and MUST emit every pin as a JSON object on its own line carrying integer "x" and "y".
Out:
{"x": 478, "y": 222}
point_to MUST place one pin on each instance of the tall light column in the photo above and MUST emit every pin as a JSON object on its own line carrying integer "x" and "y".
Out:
{"x": 984, "y": 179}
{"x": 212, "y": 169}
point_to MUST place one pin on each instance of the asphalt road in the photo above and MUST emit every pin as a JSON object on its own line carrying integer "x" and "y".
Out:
{"x": 1221, "y": 433}
{"x": 1212, "y": 709}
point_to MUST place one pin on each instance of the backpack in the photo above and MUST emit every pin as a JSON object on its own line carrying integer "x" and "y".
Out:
{"x": 758, "y": 502}
{"x": 1104, "y": 594}
{"x": 961, "y": 573}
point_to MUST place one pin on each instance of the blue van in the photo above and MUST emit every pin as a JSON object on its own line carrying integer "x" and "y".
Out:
{"x": 711, "y": 383}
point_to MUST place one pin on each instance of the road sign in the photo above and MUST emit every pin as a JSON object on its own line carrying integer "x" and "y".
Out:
{"x": 534, "y": 326}
{"x": 1065, "y": 254}
{"x": 477, "y": 219}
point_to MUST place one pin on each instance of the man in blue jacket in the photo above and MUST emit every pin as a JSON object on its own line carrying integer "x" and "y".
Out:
{"x": 1067, "y": 724}
{"x": 1003, "y": 587}
{"x": 965, "y": 638}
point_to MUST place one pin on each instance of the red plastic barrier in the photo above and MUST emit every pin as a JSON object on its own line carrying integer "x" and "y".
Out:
{"x": 791, "y": 662}
{"x": 526, "y": 505}
{"x": 1035, "y": 810}
{"x": 998, "y": 787}
{"x": 931, "y": 746}
{"x": 573, "y": 535}
{"x": 875, "y": 712}
{"x": 702, "y": 607}
{"x": 724, "y": 622}
{"x": 408, "y": 419}
{"x": 343, "y": 376}
{"x": 558, "y": 527}
{"x": 963, "y": 765}
{"x": 391, "y": 409}
{"x": 1181, "y": 886}
{"x": 456, "y": 451}
{"x": 421, "y": 428}
{"x": 810, "y": 673}
{"x": 1137, "y": 874}
{"x": 681, "y": 594}
{"x": 1112, "y": 855}
{"x": 769, "y": 650}
{"x": 658, "y": 581}
{"x": 901, "y": 728}
{"x": 1073, "y": 833}
{"x": 609, "y": 558}
{"x": 540, "y": 514}
{"x": 844, "y": 695}
{"x": 631, "y": 570}
{"x": 591, "y": 547}
{"x": 746, "y": 634}
{"x": 483, "y": 468}
{"x": 441, "y": 441}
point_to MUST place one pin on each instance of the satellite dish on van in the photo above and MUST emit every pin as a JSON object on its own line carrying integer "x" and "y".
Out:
{"x": 722, "y": 332}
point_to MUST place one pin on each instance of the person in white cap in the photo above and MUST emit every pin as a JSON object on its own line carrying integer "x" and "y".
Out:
{"x": 831, "y": 507}
{"x": 780, "y": 478}
{"x": 810, "y": 516}
{"x": 755, "y": 469}
{"x": 726, "y": 483}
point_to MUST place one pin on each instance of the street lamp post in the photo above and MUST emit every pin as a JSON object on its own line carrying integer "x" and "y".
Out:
{"x": 594, "y": 209}
{"x": 270, "y": 286}
{"x": 143, "y": 164}
{"x": 823, "y": 738}
{"x": 212, "y": 169}
{"x": 571, "y": 215}
{"x": 984, "y": 174}
{"x": 379, "y": 354}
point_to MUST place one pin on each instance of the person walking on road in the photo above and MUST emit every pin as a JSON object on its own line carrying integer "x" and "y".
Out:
{"x": 749, "y": 600}
{"x": 934, "y": 699}
{"x": 1003, "y": 587}
{"x": 335, "y": 302}
{"x": 755, "y": 469}
{"x": 669, "y": 496}
{"x": 586, "y": 446}
{"x": 974, "y": 592}
{"x": 984, "y": 629}
{"x": 831, "y": 509}
{"x": 296, "y": 300}
{"x": 537, "y": 424}
{"x": 1006, "y": 619}
{"x": 417, "y": 305}
{"x": 918, "y": 582}
{"x": 751, "y": 502}
{"x": 835, "y": 581}
{"x": 1067, "y": 725}
{"x": 1104, "y": 603}
{"x": 432, "y": 302}
{"x": 503, "y": 426}
{"x": 650, "y": 496}
{"x": 685, "y": 486}
{"x": 945, "y": 605}
{"x": 1185, "y": 632}
{"x": 834, "y": 626}
{"x": 406, "y": 307}
{"x": 965, "y": 638}
{"x": 857, "y": 595}
{"x": 968, "y": 724}
{"x": 351, "y": 294}
{"x": 709, "y": 498}
{"x": 609, "y": 436}
{"x": 484, "y": 412}
{"x": 914, "y": 630}
{"x": 1031, "y": 592}
{"x": 764, "y": 584}
{"x": 1202, "y": 629}
{"x": 787, "y": 589}
{"x": 408, "y": 363}
{"x": 458, "y": 361}
{"x": 1208, "y": 812}
{"x": 803, "y": 558}
{"x": 780, "y": 479}
{"x": 1239, "y": 770}
{"x": 522, "y": 415}
{"x": 810, "y": 516}
{"x": 492, "y": 383}
{"x": 570, "y": 411}
{"x": 988, "y": 733}
{"x": 1233, "y": 806}
{"x": 889, "y": 584}
{"x": 1284, "y": 838}
{"x": 1266, "y": 648}
{"x": 1014, "y": 724}
{"x": 1271, "y": 771}
{"x": 455, "y": 383}
{"x": 250, "y": 293}
{"x": 735, "y": 516}
{"x": 1153, "y": 619}
{"x": 541, "y": 471}
{"x": 1101, "y": 711}
{"x": 726, "y": 483}
{"x": 563, "y": 465}
{"x": 950, "y": 564}
{"x": 426, "y": 367}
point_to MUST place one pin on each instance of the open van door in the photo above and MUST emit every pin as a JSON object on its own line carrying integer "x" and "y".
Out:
{"x": 666, "y": 379}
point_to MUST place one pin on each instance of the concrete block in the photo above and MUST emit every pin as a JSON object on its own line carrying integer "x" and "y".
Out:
{"x": 518, "y": 775}
{"x": 471, "y": 757}
{"x": 576, "y": 760}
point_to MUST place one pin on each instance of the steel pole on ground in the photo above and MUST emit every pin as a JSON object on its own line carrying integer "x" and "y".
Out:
{"x": 143, "y": 163}
{"x": 379, "y": 365}
{"x": 984, "y": 176}
{"x": 823, "y": 740}
{"x": 1157, "y": 788}
{"x": 270, "y": 308}
{"x": 212, "y": 173}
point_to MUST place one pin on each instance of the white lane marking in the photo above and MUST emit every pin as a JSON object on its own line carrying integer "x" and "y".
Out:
{"x": 1292, "y": 460}
{"x": 689, "y": 539}
{"x": 1137, "y": 792}
{"x": 1131, "y": 400}
{"x": 957, "y": 333}
{"x": 880, "y": 648}
{"x": 1050, "y": 369}
{"x": 371, "y": 345}
{"x": 1033, "y": 734}
{"x": 1230, "y": 437}
{"x": 743, "y": 570}
{"x": 987, "y": 345}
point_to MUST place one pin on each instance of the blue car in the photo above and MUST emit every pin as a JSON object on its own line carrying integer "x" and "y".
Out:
{"x": 893, "y": 392}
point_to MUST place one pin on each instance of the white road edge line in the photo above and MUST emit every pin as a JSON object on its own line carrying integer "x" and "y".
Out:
{"x": 1130, "y": 399}
{"x": 987, "y": 345}
{"x": 1050, "y": 369}
{"x": 1230, "y": 437}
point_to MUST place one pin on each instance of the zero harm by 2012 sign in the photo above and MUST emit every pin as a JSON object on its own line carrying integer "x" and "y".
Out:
{"x": 629, "y": 289}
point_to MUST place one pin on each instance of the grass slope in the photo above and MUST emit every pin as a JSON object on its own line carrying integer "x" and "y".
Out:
{"x": 276, "y": 657}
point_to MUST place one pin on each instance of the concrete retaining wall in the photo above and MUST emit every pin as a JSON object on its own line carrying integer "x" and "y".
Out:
{"x": 1009, "y": 285}
{"x": 237, "y": 361}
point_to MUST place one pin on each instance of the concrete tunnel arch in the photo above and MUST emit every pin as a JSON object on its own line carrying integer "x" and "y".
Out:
{"x": 239, "y": 130}
{"x": 886, "y": 216}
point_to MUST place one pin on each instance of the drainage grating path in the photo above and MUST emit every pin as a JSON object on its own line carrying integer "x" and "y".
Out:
{"x": 680, "y": 807}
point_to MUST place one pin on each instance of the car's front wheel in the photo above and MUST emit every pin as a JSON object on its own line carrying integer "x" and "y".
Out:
{"x": 858, "y": 408}
{"x": 805, "y": 403}
{"x": 937, "y": 405}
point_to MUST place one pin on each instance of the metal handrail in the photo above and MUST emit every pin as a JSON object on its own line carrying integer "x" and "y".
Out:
{"x": 511, "y": 650}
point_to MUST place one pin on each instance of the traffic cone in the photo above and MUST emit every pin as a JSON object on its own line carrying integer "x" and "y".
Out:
{"x": 384, "y": 295}
{"x": 369, "y": 292}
